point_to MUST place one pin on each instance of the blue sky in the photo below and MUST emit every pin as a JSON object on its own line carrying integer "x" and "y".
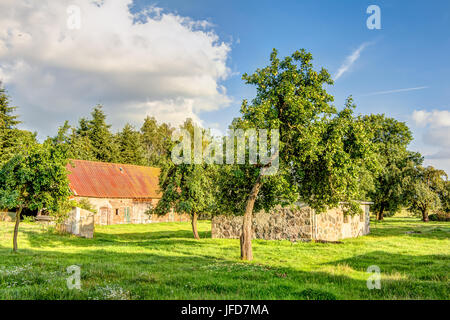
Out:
{"x": 412, "y": 50}
{"x": 401, "y": 70}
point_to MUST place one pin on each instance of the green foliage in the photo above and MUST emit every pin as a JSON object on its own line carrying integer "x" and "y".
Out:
{"x": 130, "y": 146}
{"x": 102, "y": 140}
{"x": 440, "y": 216}
{"x": 390, "y": 140}
{"x": 12, "y": 140}
{"x": 424, "y": 189}
{"x": 29, "y": 219}
{"x": 92, "y": 140}
{"x": 324, "y": 154}
{"x": 444, "y": 195}
{"x": 187, "y": 188}
{"x": 36, "y": 179}
{"x": 86, "y": 205}
{"x": 156, "y": 140}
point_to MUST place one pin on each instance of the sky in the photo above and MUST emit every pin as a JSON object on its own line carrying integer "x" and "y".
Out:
{"x": 177, "y": 59}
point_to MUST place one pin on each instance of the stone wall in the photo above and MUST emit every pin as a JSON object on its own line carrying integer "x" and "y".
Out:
{"x": 296, "y": 223}
{"x": 80, "y": 223}
{"x": 287, "y": 223}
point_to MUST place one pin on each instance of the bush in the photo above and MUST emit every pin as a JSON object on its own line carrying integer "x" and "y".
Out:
{"x": 440, "y": 216}
{"x": 29, "y": 219}
{"x": 85, "y": 204}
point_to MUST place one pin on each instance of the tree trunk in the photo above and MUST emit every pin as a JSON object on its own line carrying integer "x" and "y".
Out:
{"x": 425, "y": 215}
{"x": 194, "y": 226}
{"x": 16, "y": 229}
{"x": 246, "y": 236}
{"x": 380, "y": 216}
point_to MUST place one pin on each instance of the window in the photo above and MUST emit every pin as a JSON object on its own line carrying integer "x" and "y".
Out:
{"x": 117, "y": 212}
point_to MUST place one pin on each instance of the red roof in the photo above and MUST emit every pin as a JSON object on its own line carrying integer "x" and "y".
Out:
{"x": 112, "y": 180}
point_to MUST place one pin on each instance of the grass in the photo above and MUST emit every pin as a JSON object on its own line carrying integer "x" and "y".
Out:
{"x": 162, "y": 261}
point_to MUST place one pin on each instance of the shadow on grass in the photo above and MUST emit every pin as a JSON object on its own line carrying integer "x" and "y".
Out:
{"x": 169, "y": 276}
{"x": 39, "y": 239}
{"x": 411, "y": 228}
{"x": 419, "y": 267}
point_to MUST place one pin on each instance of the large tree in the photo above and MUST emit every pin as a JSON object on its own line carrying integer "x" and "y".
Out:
{"x": 11, "y": 138}
{"x": 424, "y": 189}
{"x": 391, "y": 139}
{"x": 102, "y": 140}
{"x": 156, "y": 139}
{"x": 130, "y": 146}
{"x": 323, "y": 154}
{"x": 187, "y": 187}
{"x": 35, "y": 179}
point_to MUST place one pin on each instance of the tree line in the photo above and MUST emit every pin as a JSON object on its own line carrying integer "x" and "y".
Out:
{"x": 328, "y": 156}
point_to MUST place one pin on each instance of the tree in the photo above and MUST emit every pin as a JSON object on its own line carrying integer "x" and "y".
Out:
{"x": 102, "y": 141}
{"x": 35, "y": 179}
{"x": 74, "y": 141}
{"x": 186, "y": 188}
{"x": 323, "y": 154}
{"x": 445, "y": 197}
{"x": 391, "y": 139}
{"x": 424, "y": 190}
{"x": 130, "y": 146}
{"x": 11, "y": 139}
{"x": 156, "y": 140}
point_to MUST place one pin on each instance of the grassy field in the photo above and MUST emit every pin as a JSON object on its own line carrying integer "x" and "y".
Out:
{"x": 162, "y": 261}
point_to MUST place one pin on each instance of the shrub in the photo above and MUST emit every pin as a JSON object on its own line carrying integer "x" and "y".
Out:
{"x": 85, "y": 204}
{"x": 440, "y": 216}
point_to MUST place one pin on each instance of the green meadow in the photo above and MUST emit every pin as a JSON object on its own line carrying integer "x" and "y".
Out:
{"x": 163, "y": 261}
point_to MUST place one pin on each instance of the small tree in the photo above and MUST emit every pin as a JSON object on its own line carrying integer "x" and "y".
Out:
{"x": 36, "y": 179}
{"x": 186, "y": 188}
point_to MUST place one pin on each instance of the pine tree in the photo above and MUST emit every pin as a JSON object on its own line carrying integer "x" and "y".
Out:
{"x": 103, "y": 143}
{"x": 131, "y": 150}
{"x": 9, "y": 134}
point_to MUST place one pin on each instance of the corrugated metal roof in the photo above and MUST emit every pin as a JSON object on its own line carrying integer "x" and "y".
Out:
{"x": 113, "y": 180}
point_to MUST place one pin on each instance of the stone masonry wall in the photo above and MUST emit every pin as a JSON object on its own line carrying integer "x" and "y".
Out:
{"x": 288, "y": 223}
{"x": 296, "y": 223}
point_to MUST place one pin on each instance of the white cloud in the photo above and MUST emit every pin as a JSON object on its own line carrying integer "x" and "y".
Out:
{"x": 150, "y": 63}
{"x": 436, "y": 136}
{"x": 350, "y": 60}
{"x": 435, "y": 118}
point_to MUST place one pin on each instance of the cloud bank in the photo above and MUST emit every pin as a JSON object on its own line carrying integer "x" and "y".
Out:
{"x": 146, "y": 63}
{"x": 436, "y": 126}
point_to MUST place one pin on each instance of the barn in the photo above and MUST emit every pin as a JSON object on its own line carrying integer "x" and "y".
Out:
{"x": 120, "y": 193}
